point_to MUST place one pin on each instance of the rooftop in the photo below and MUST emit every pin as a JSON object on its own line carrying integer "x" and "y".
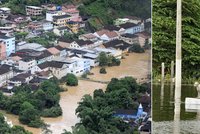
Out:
{"x": 4, "y": 69}
{"x": 117, "y": 44}
{"x": 128, "y": 35}
{"x": 65, "y": 40}
{"x": 102, "y": 32}
{"x": 90, "y": 56}
{"x": 88, "y": 36}
{"x": 144, "y": 35}
{"x": 61, "y": 16}
{"x": 55, "y": 64}
{"x": 128, "y": 25}
{"x": 21, "y": 77}
{"x": 63, "y": 28}
{"x": 34, "y": 7}
{"x": 59, "y": 48}
{"x": 5, "y": 37}
{"x": 83, "y": 42}
{"x": 5, "y": 8}
{"x": 112, "y": 28}
{"x": 127, "y": 112}
{"x": 53, "y": 50}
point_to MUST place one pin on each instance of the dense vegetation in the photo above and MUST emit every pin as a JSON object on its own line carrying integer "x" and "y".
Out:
{"x": 70, "y": 79}
{"x": 96, "y": 113}
{"x": 105, "y": 11}
{"x": 31, "y": 105}
{"x": 164, "y": 36}
{"x": 137, "y": 48}
{"x": 6, "y": 129}
{"x": 47, "y": 39}
{"x": 105, "y": 60}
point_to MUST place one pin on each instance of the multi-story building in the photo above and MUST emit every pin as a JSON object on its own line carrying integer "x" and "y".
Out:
{"x": 74, "y": 26}
{"x": 6, "y": 73}
{"x": 50, "y": 14}
{"x": 60, "y": 21}
{"x": 3, "y": 15}
{"x": 132, "y": 28}
{"x": 10, "y": 44}
{"x": 2, "y": 50}
{"x": 23, "y": 78}
{"x": 6, "y": 30}
{"x": 27, "y": 64}
{"x": 33, "y": 10}
{"x": 47, "y": 25}
{"x": 58, "y": 69}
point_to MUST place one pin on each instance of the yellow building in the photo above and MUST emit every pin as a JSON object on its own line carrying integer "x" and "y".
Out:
{"x": 74, "y": 26}
{"x": 61, "y": 20}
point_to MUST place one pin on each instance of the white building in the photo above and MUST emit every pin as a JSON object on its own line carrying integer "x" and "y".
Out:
{"x": 50, "y": 14}
{"x": 22, "y": 78}
{"x": 47, "y": 25}
{"x": 5, "y": 10}
{"x": 93, "y": 58}
{"x": 10, "y": 44}
{"x": 27, "y": 64}
{"x": 6, "y": 30}
{"x": 6, "y": 73}
{"x": 33, "y": 10}
{"x": 112, "y": 52}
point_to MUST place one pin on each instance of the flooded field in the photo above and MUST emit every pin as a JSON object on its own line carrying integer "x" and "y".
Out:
{"x": 164, "y": 118}
{"x": 136, "y": 65}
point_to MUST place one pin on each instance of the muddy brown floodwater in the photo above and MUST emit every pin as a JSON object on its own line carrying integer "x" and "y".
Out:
{"x": 136, "y": 65}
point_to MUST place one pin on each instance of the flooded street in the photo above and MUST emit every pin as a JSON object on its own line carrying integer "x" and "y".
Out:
{"x": 69, "y": 102}
{"x": 136, "y": 65}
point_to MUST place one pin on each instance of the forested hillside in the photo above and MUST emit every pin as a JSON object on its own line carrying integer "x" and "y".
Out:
{"x": 105, "y": 11}
{"x": 164, "y": 36}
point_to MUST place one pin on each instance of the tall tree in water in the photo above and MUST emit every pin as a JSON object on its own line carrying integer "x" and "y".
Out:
{"x": 164, "y": 35}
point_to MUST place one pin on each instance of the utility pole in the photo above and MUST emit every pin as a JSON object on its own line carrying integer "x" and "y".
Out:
{"x": 178, "y": 52}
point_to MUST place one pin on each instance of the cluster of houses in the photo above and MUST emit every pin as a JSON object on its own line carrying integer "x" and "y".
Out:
{"x": 23, "y": 62}
{"x": 56, "y": 19}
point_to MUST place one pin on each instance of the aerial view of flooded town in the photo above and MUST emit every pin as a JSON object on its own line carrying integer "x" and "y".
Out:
{"x": 75, "y": 67}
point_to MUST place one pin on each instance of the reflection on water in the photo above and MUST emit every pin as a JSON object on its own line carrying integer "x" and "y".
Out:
{"x": 136, "y": 65}
{"x": 169, "y": 116}
{"x": 177, "y": 110}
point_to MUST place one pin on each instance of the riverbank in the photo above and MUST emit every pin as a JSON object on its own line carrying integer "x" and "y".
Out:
{"x": 136, "y": 65}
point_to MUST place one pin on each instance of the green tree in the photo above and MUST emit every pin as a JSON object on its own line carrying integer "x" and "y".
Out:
{"x": 102, "y": 71}
{"x": 103, "y": 59}
{"x": 96, "y": 113}
{"x": 164, "y": 36}
{"x": 136, "y": 48}
{"x": 6, "y": 129}
{"x": 29, "y": 115}
{"x": 71, "y": 80}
